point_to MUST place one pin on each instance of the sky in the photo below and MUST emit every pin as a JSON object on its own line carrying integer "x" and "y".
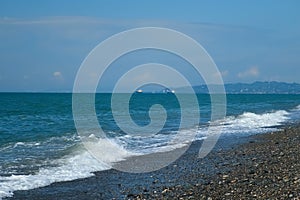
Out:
{"x": 43, "y": 43}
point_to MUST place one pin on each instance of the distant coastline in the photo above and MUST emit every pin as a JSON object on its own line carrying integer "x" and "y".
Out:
{"x": 258, "y": 87}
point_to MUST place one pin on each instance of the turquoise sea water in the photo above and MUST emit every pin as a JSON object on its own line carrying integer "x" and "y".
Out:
{"x": 39, "y": 143}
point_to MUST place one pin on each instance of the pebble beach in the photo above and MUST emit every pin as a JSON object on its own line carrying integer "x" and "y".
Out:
{"x": 262, "y": 166}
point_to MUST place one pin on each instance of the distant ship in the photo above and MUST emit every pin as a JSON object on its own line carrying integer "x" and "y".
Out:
{"x": 164, "y": 91}
{"x": 167, "y": 91}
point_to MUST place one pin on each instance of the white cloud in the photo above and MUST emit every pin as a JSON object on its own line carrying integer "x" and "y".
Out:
{"x": 224, "y": 73}
{"x": 58, "y": 75}
{"x": 221, "y": 74}
{"x": 251, "y": 72}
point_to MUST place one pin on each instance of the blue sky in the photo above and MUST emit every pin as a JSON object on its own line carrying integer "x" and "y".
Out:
{"x": 43, "y": 43}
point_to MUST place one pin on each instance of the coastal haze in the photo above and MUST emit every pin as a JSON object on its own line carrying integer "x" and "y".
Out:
{"x": 149, "y": 100}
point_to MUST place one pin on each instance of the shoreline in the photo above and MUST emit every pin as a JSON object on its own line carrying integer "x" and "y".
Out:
{"x": 257, "y": 166}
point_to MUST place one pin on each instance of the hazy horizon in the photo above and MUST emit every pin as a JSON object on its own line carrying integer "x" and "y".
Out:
{"x": 43, "y": 44}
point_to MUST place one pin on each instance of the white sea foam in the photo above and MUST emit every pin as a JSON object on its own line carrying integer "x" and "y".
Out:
{"x": 262, "y": 120}
{"x": 52, "y": 140}
{"x": 108, "y": 151}
{"x": 26, "y": 144}
{"x": 69, "y": 168}
{"x": 245, "y": 123}
{"x": 80, "y": 164}
{"x": 19, "y": 144}
{"x": 83, "y": 164}
{"x": 253, "y": 123}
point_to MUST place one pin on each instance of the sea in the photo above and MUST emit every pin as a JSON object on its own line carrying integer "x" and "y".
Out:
{"x": 39, "y": 143}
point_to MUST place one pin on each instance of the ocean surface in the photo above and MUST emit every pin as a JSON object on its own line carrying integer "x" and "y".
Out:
{"x": 39, "y": 143}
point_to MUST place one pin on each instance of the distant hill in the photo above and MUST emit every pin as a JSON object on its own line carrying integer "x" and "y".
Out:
{"x": 264, "y": 88}
{"x": 253, "y": 88}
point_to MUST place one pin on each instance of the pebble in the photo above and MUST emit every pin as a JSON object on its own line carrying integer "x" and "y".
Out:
{"x": 251, "y": 170}
{"x": 225, "y": 176}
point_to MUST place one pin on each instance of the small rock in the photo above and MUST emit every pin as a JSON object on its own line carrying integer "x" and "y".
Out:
{"x": 130, "y": 195}
{"x": 233, "y": 181}
{"x": 245, "y": 180}
{"x": 165, "y": 190}
{"x": 155, "y": 181}
{"x": 145, "y": 190}
{"x": 286, "y": 179}
{"x": 281, "y": 154}
{"x": 236, "y": 164}
{"x": 225, "y": 176}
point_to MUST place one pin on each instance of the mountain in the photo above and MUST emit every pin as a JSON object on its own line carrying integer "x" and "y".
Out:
{"x": 258, "y": 87}
{"x": 264, "y": 88}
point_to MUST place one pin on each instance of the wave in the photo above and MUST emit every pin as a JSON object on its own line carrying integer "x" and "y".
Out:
{"x": 69, "y": 168}
{"x": 245, "y": 123}
{"x": 252, "y": 122}
{"x": 108, "y": 150}
{"x": 52, "y": 140}
{"x": 81, "y": 164}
